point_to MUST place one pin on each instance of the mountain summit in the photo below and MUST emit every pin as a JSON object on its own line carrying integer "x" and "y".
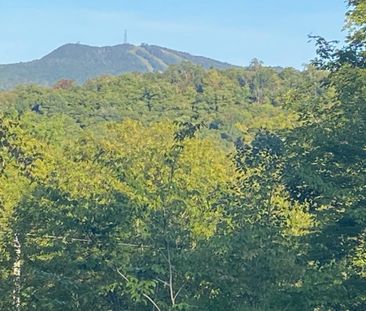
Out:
{"x": 82, "y": 62}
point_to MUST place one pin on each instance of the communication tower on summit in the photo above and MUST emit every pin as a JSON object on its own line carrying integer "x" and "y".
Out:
{"x": 125, "y": 41}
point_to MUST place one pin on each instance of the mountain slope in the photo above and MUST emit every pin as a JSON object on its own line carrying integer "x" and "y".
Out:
{"x": 81, "y": 62}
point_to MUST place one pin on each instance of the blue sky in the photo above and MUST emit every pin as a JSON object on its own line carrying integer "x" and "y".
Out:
{"x": 236, "y": 31}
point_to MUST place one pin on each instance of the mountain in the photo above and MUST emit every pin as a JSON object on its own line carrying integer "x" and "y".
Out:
{"x": 82, "y": 62}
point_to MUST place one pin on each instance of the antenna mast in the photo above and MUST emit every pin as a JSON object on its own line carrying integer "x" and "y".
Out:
{"x": 125, "y": 41}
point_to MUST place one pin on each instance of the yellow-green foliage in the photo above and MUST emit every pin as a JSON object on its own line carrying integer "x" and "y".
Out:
{"x": 359, "y": 256}
{"x": 158, "y": 175}
{"x": 266, "y": 117}
{"x": 296, "y": 216}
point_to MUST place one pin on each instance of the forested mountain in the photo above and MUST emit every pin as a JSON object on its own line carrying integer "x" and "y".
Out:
{"x": 81, "y": 62}
{"x": 238, "y": 189}
{"x": 232, "y": 103}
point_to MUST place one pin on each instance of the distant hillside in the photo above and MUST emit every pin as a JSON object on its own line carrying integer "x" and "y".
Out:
{"x": 81, "y": 62}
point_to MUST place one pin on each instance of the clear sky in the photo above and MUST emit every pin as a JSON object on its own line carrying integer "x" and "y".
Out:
{"x": 275, "y": 31}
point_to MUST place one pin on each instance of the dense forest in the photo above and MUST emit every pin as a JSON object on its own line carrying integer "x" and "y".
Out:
{"x": 79, "y": 62}
{"x": 238, "y": 189}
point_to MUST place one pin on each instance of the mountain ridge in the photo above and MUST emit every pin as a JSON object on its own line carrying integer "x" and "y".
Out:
{"x": 79, "y": 62}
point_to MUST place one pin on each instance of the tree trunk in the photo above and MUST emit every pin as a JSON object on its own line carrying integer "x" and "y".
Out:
{"x": 17, "y": 273}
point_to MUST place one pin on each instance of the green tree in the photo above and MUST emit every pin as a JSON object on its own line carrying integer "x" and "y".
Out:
{"x": 327, "y": 168}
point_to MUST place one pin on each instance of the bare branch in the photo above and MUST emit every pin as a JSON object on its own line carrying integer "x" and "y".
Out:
{"x": 152, "y": 301}
{"x": 145, "y": 295}
{"x": 162, "y": 281}
{"x": 178, "y": 292}
{"x": 122, "y": 275}
{"x": 171, "y": 288}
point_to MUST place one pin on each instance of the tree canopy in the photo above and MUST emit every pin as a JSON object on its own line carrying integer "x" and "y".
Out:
{"x": 193, "y": 189}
